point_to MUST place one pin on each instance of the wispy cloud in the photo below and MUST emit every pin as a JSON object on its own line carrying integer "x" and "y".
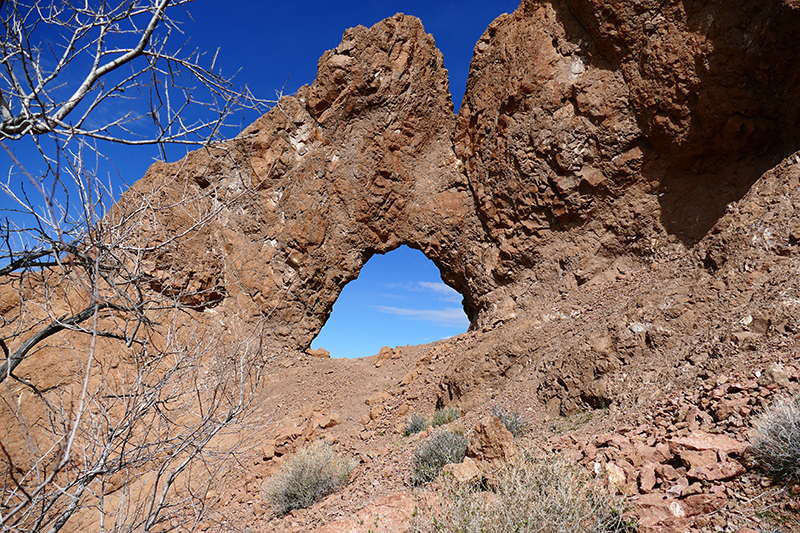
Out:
{"x": 450, "y": 317}
{"x": 437, "y": 290}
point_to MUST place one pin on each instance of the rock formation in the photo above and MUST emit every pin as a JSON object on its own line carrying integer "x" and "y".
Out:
{"x": 594, "y": 136}
{"x": 616, "y": 201}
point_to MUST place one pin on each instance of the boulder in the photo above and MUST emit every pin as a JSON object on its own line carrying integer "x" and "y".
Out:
{"x": 464, "y": 473}
{"x": 491, "y": 443}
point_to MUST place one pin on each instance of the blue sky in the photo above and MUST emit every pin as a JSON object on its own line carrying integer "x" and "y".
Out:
{"x": 399, "y": 298}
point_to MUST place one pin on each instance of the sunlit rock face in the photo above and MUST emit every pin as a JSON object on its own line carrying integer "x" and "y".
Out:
{"x": 358, "y": 163}
{"x": 595, "y": 137}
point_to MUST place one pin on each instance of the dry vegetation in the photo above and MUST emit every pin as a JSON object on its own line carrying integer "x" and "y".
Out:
{"x": 547, "y": 496}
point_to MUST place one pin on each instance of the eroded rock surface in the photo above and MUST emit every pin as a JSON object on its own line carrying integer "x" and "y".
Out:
{"x": 359, "y": 163}
{"x": 596, "y": 137}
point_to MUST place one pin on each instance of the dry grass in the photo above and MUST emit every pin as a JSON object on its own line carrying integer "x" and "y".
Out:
{"x": 442, "y": 448}
{"x": 777, "y": 441}
{"x": 415, "y": 424}
{"x": 532, "y": 497}
{"x": 514, "y": 422}
{"x": 307, "y": 476}
{"x": 444, "y": 416}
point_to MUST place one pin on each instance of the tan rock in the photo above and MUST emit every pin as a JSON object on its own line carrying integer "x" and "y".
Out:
{"x": 655, "y": 508}
{"x": 728, "y": 407}
{"x": 717, "y": 471}
{"x": 286, "y": 439}
{"x": 464, "y": 473}
{"x": 697, "y": 459}
{"x": 268, "y": 451}
{"x": 320, "y": 353}
{"x": 643, "y": 454}
{"x": 647, "y": 478}
{"x": 700, "y": 441}
{"x": 677, "y": 489}
{"x": 376, "y": 412}
{"x": 386, "y": 354}
{"x": 703, "y": 503}
{"x": 777, "y": 374}
{"x": 492, "y": 443}
{"x": 666, "y": 473}
{"x": 378, "y": 397}
{"x": 329, "y": 421}
{"x": 612, "y": 439}
{"x": 616, "y": 476}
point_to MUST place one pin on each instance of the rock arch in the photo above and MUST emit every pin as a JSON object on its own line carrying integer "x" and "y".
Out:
{"x": 359, "y": 163}
{"x": 557, "y": 170}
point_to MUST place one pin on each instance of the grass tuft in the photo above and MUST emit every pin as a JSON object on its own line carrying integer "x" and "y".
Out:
{"x": 777, "y": 443}
{"x": 308, "y": 476}
{"x": 442, "y": 448}
{"x": 549, "y": 496}
{"x": 415, "y": 424}
{"x": 444, "y": 416}
{"x": 514, "y": 422}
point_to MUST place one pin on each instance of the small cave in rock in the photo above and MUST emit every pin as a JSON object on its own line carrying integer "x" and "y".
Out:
{"x": 398, "y": 299}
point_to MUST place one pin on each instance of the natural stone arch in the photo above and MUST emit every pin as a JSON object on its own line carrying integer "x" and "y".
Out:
{"x": 559, "y": 169}
{"x": 359, "y": 163}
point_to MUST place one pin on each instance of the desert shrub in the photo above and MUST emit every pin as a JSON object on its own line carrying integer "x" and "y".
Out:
{"x": 415, "y": 424}
{"x": 776, "y": 445}
{"x": 441, "y": 448}
{"x": 514, "y": 422}
{"x": 550, "y": 496}
{"x": 307, "y": 476}
{"x": 444, "y": 416}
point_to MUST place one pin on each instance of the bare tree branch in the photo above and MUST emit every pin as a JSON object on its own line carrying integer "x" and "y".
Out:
{"x": 137, "y": 388}
{"x": 33, "y": 99}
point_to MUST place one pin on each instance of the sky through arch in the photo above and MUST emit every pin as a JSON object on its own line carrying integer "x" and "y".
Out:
{"x": 398, "y": 299}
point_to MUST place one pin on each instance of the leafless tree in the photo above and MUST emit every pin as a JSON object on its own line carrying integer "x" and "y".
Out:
{"x": 142, "y": 388}
{"x": 118, "y": 51}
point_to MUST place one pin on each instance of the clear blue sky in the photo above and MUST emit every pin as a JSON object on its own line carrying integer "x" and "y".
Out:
{"x": 399, "y": 298}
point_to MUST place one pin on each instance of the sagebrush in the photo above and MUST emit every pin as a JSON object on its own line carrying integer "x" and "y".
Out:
{"x": 442, "y": 448}
{"x": 307, "y": 476}
{"x": 415, "y": 424}
{"x": 550, "y": 496}
{"x": 514, "y": 422}
{"x": 776, "y": 445}
{"x": 444, "y": 416}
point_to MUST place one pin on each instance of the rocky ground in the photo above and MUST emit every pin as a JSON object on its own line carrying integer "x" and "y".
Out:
{"x": 674, "y": 442}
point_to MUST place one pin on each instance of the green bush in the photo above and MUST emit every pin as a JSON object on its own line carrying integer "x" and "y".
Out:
{"x": 307, "y": 476}
{"x": 415, "y": 424}
{"x": 777, "y": 443}
{"x": 514, "y": 422}
{"x": 440, "y": 449}
{"x": 444, "y": 416}
{"x": 531, "y": 497}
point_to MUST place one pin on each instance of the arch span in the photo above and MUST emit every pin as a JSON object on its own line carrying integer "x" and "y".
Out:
{"x": 357, "y": 164}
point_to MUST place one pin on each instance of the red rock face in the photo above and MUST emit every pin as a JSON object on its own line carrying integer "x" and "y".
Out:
{"x": 359, "y": 163}
{"x": 595, "y": 137}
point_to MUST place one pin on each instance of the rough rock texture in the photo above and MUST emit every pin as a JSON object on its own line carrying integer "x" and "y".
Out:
{"x": 603, "y": 131}
{"x": 594, "y": 137}
{"x": 359, "y": 163}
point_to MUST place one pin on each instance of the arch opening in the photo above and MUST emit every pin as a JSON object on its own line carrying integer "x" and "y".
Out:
{"x": 397, "y": 299}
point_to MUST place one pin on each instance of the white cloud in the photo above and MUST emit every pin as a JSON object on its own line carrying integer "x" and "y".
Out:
{"x": 451, "y": 317}
{"x": 438, "y": 290}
